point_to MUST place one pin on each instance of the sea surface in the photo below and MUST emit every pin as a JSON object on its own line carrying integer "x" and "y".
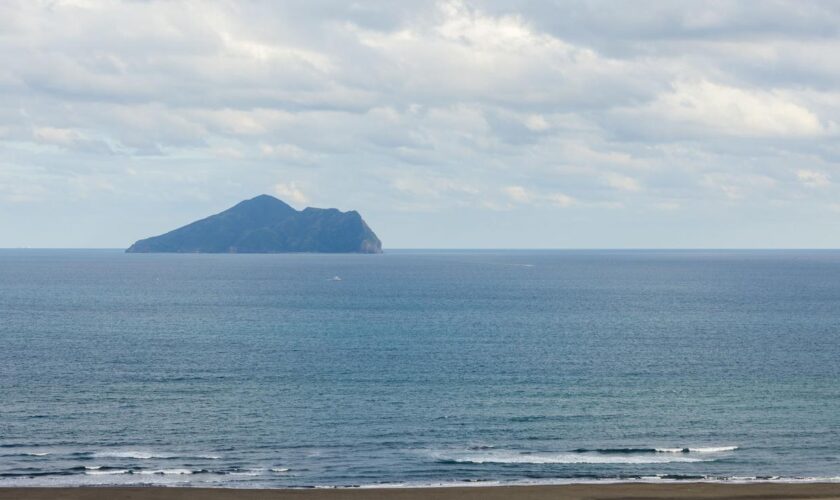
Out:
{"x": 418, "y": 368}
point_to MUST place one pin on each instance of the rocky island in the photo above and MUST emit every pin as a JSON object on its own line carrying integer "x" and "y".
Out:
{"x": 267, "y": 225}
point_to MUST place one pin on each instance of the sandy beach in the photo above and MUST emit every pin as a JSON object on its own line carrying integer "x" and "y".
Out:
{"x": 571, "y": 492}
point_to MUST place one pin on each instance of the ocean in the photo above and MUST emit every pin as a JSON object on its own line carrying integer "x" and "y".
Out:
{"x": 418, "y": 368}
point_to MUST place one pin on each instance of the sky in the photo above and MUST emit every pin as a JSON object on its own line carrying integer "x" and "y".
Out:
{"x": 450, "y": 124}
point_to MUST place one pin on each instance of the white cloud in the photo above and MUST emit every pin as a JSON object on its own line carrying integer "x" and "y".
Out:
{"x": 622, "y": 182}
{"x": 813, "y": 179}
{"x": 518, "y": 194}
{"x": 523, "y": 196}
{"x": 434, "y": 187}
{"x": 561, "y": 200}
{"x": 290, "y": 192}
{"x": 537, "y": 123}
{"x": 738, "y": 186}
{"x": 288, "y": 152}
{"x": 736, "y": 111}
{"x": 54, "y": 135}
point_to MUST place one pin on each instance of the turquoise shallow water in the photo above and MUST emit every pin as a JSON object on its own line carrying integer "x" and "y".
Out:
{"x": 418, "y": 368}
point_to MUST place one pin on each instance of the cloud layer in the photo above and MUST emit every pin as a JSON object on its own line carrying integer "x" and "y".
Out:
{"x": 447, "y": 124}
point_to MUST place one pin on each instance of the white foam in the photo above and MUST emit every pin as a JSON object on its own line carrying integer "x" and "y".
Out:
{"x": 567, "y": 481}
{"x": 36, "y": 454}
{"x": 249, "y": 472}
{"x": 713, "y": 449}
{"x": 178, "y": 472}
{"x": 147, "y": 455}
{"x": 109, "y": 472}
{"x": 123, "y": 478}
{"x": 279, "y": 469}
{"x": 142, "y": 455}
{"x": 117, "y": 477}
{"x": 514, "y": 457}
{"x": 707, "y": 449}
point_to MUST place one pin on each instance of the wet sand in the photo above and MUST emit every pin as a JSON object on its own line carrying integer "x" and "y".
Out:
{"x": 753, "y": 491}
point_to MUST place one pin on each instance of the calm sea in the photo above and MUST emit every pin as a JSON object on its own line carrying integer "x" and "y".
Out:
{"x": 415, "y": 368}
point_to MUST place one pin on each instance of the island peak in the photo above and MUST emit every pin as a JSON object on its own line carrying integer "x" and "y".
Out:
{"x": 265, "y": 224}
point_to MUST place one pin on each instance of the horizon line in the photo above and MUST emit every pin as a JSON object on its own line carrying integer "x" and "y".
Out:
{"x": 481, "y": 249}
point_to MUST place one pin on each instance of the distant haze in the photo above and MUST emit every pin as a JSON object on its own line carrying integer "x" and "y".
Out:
{"x": 446, "y": 124}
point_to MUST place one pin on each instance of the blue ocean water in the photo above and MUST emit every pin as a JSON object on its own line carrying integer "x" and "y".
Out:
{"x": 418, "y": 368}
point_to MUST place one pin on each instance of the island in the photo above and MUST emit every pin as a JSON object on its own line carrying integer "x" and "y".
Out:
{"x": 267, "y": 225}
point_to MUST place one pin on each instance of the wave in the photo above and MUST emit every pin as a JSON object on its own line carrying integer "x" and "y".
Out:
{"x": 515, "y": 457}
{"x": 248, "y": 472}
{"x": 622, "y": 451}
{"x": 107, "y": 472}
{"x": 146, "y": 455}
{"x": 140, "y": 455}
{"x": 713, "y": 449}
{"x": 34, "y": 474}
{"x": 279, "y": 469}
{"x": 661, "y": 478}
{"x": 131, "y": 454}
{"x": 180, "y": 477}
{"x": 488, "y": 454}
{"x": 95, "y": 467}
{"x": 26, "y": 454}
{"x": 177, "y": 472}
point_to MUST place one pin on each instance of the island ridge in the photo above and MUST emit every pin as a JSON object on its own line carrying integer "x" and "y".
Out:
{"x": 267, "y": 225}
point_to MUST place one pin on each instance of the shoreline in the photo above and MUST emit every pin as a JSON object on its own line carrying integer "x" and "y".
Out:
{"x": 577, "y": 491}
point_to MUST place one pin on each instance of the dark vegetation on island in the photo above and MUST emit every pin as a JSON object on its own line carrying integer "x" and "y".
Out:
{"x": 267, "y": 225}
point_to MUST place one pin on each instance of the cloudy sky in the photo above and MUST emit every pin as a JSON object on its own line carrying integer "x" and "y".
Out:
{"x": 447, "y": 124}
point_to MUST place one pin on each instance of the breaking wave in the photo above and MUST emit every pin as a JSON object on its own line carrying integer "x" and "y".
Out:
{"x": 515, "y": 457}
{"x": 629, "y": 451}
